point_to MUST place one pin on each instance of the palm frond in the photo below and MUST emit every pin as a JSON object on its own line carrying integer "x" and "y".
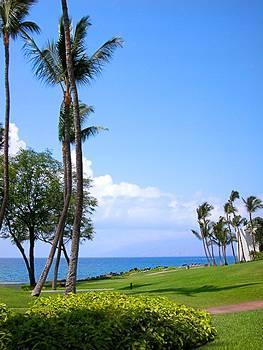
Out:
{"x": 104, "y": 54}
{"x": 91, "y": 131}
{"x": 197, "y": 234}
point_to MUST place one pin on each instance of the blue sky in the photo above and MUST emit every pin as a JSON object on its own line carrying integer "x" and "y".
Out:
{"x": 183, "y": 104}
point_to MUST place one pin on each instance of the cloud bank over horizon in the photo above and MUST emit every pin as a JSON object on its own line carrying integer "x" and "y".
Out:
{"x": 132, "y": 220}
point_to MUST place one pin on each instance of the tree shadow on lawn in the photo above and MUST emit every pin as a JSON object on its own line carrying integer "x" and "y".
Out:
{"x": 191, "y": 292}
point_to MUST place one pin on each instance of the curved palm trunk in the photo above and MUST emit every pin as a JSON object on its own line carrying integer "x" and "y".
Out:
{"x": 65, "y": 253}
{"x": 6, "y": 133}
{"x": 205, "y": 250}
{"x": 72, "y": 272}
{"x": 59, "y": 247}
{"x": 63, "y": 216}
{"x": 231, "y": 241}
{"x": 212, "y": 253}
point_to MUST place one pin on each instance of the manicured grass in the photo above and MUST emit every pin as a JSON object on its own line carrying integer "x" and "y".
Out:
{"x": 199, "y": 287}
{"x": 239, "y": 331}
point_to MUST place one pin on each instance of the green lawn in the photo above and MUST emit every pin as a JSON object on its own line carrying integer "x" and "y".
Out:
{"x": 239, "y": 331}
{"x": 198, "y": 287}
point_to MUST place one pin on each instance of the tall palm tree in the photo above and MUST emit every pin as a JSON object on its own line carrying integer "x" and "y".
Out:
{"x": 12, "y": 25}
{"x": 252, "y": 204}
{"x": 203, "y": 213}
{"x": 228, "y": 211}
{"x": 50, "y": 65}
{"x": 86, "y": 133}
{"x": 221, "y": 236}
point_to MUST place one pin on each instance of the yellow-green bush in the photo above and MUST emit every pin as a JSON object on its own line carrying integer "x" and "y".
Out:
{"x": 112, "y": 321}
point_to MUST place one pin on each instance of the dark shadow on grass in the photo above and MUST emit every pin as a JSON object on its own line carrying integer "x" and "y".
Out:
{"x": 191, "y": 292}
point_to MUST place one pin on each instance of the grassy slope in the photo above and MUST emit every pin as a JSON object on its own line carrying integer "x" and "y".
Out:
{"x": 200, "y": 287}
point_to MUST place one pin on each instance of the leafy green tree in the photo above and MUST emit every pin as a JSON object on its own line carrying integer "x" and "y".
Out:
{"x": 35, "y": 201}
{"x": 12, "y": 25}
{"x": 252, "y": 204}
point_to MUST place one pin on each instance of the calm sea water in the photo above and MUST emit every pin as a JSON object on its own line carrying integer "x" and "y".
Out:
{"x": 13, "y": 269}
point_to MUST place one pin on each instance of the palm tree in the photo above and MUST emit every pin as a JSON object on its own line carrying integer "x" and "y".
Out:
{"x": 12, "y": 25}
{"x": 252, "y": 204}
{"x": 228, "y": 209}
{"x": 50, "y": 66}
{"x": 221, "y": 236}
{"x": 86, "y": 133}
{"x": 203, "y": 212}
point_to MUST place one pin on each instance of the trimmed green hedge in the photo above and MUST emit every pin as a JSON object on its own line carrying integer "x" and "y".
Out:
{"x": 112, "y": 321}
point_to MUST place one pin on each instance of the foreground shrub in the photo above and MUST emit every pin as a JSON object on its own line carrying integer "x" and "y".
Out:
{"x": 256, "y": 255}
{"x": 111, "y": 321}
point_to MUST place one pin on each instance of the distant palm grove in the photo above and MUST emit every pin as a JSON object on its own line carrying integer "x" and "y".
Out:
{"x": 42, "y": 199}
{"x": 244, "y": 235}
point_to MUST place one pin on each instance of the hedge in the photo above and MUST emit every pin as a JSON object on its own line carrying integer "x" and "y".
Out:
{"x": 110, "y": 321}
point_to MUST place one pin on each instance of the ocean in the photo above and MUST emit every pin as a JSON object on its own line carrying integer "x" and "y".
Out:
{"x": 12, "y": 270}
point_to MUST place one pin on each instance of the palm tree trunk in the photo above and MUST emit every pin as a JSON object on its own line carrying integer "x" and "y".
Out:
{"x": 219, "y": 254}
{"x": 231, "y": 241}
{"x": 252, "y": 233}
{"x": 204, "y": 246}
{"x": 6, "y": 133}
{"x": 72, "y": 272}
{"x": 65, "y": 253}
{"x": 64, "y": 157}
{"x": 208, "y": 250}
{"x": 63, "y": 216}
{"x": 55, "y": 276}
{"x": 224, "y": 252}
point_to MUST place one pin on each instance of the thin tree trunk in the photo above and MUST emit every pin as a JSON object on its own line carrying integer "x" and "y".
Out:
{"x": 65, "y": 253}
{"x": 31, "y": 256}
{"x": 64, "y": 156}
{"x": 62, "y": 219}
{"x": 204, "y": 246}
{"x": 224, "y": 252}
{"x": 22, "y": 251}
{"x": 219, "y": 254}
{"x": 72, "y": 272}
{"x": 231, "y": 241}
{"x": 55, "y": 276}
{"x": 208, "y": 250}
{"x": 213, "y": 256}
{"x": 6, "y": 133}
{"x": 252, "y": 232}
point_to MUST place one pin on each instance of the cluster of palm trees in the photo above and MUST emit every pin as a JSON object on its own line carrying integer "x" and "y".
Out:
{"x": 66, "y": 64}
{"x": 231, "y": 229}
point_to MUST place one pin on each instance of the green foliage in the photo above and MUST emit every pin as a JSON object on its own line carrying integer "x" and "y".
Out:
{"x": 256, "y": 255}
{"x": 109, "y": 321}
{"x": 5, "y": 335}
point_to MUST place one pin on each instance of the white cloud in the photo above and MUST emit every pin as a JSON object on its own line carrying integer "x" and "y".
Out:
{"x": 15, "y": 142}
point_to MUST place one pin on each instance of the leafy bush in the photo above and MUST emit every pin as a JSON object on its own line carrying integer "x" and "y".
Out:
{"x": 5, "y": 335}
{"x": 256, "y": 255}
{"x": 98, "y": 321}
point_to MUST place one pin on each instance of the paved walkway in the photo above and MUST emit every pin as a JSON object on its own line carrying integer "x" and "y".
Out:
{"x": 78, "y": 290}
{"x": 227, "y": 309}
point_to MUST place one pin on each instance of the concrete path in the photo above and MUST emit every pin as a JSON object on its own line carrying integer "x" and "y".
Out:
{"x": 78, "y": 290}
{"x": 227, "y": 309}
